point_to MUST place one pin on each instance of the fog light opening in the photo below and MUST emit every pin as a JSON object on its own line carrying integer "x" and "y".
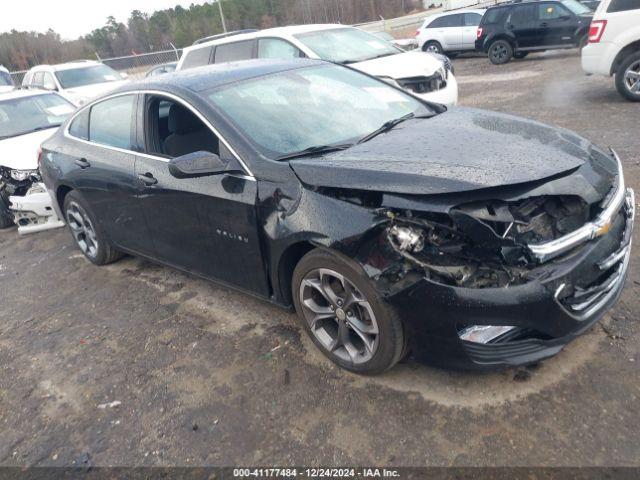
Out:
{"x": 484, "y": 333}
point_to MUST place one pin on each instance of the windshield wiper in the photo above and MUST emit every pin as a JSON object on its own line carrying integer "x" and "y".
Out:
{"x": 315, "y": 150}
{"x": 387, "y": 126}
{"x": 33, "y": 130}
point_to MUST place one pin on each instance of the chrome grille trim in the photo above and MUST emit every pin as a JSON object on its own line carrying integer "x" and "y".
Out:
{"x": 549, "y": 250}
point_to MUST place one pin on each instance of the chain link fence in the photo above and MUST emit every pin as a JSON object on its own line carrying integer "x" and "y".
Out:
{"x": 134, "y": 65}
{"x": 137, "y": 65}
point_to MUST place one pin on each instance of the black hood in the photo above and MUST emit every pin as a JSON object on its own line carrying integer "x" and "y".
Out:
{"x": 459, "y": 150}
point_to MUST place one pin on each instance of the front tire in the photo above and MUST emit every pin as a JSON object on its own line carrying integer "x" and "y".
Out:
{"x": 500, "y": 52}
{"x": 432, "y": 46}
{"x": 344, "y": 315}
{"x": 628, "y": 77}
{"x": 87, "y": 232}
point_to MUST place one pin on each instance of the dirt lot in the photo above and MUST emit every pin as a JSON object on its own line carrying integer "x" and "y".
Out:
{"x": 207, "y": 376}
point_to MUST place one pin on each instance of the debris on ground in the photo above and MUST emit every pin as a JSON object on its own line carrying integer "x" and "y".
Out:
{"x": 114, "y": 404}
{"x": 522, "y": 375}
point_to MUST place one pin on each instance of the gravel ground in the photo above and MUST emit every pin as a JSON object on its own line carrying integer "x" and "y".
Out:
{"x": 136, "y": 364}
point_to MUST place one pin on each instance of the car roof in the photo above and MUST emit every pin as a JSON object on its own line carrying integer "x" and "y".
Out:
{"x": 455, "y": 12}
{"x": 18, "y": 93}
{"x": 212, "y": 76}
{"x": 519, "y": 2}
{"x": 65, "y": 66}
{"x": 270, "y": 32}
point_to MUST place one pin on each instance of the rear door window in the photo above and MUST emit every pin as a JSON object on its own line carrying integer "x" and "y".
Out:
{"x": 111, "y": 122}
{"x": 623, "y": 5}
{"x": 277, "y": 48}
{"x": 232, "y": 52}
{"x": 448, "y": 21}
{"x": 523, "y": 14}
{"x": 472, "y": 19}
{"x": 493, "y": 16}
{"x": 79, "y": 127}
{"x": 38, "y": 79}
{"x": 197, "y": 58}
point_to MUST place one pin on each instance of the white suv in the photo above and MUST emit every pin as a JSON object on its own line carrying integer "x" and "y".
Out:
{"x": 450, "y": 32}
{"x": 427, "y": 76}
{"x": 78, "y": 82}
{"x": 614, "y": 45}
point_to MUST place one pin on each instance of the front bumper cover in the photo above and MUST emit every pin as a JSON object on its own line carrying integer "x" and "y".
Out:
{"x": 544, "y": 310}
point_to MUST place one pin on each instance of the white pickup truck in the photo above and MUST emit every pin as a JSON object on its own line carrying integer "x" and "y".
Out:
{"x": 614, "y": 45}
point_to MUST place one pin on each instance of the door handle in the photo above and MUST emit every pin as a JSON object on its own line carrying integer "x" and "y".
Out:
{"x": 544, "y": 24}
{"x": 148, "y": 179}
{"x": 82, "y": 163}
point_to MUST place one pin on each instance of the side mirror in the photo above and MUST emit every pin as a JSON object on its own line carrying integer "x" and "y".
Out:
{"x": 124, "y": 75}
{"x": 197, "y": 164}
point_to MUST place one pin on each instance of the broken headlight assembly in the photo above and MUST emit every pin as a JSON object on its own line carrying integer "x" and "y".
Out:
{"x": 23, "y": 175}
{"x": 483, "y": 244}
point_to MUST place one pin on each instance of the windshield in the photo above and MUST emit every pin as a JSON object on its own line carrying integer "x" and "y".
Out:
{"x": 327, "y": 105}
{"x": 19, "y": 116}
{"x": 346, "y": 45}
{"x": 79, "y": 77}
{"x": 5, "y": 79}
{"x": 576, "y": 7}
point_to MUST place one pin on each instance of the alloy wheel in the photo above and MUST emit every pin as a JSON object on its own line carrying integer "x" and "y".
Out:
{"x": 433, "y": 48}
{"x": 339, "y": 316}
{"x": 632, "y": 78}
{"x": 82, "y": 230}
{"x": 499, "y": 52}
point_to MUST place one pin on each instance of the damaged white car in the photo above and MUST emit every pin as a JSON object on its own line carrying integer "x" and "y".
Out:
{"x": 27, "y": 118}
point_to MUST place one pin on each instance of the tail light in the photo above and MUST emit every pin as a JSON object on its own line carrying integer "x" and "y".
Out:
{"x": 596, "y": 30}
{"x": 479, "y": 32}
{"x": 417, "y": 33}
{"x": 39, "y": 156}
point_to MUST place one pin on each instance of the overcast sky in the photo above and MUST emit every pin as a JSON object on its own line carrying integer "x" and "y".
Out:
{"x": 73, "y": 18}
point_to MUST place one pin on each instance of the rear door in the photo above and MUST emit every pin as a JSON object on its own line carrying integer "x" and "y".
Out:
{"x": 448, "y": 31}
{"x": 104, "y": 169}
{"x": 523, "y": 25}
{"x": 556, "y": 24}
{"x": 206, "y": 225}
{"x": 471, "y": 21}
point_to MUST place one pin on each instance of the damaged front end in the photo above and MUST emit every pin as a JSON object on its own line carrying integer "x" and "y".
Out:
{"x": 27, "y": 200}
{"x": 483, "y": 244}
{"x": 503, "y": 281}
{"x": 499, "y": 243}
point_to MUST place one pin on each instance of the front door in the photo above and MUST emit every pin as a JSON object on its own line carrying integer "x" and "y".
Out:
{"x": 206, "y": 225}
{"x": 556, "y": 24}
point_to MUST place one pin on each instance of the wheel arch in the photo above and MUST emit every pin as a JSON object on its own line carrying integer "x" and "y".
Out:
{"x": 61, "y": 193}
{"x": 499, "y": 36}
{"x": 287, "y": 263}
{"x": 622, "y": 54}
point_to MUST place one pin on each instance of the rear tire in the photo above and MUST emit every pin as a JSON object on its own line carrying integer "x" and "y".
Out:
{"x": 500, "y": 52}
{"x": 628, "y": 77}
{"x": 87, "y": 231}
{"x": 6, "y": 217}
{"x": 432, "y": 46}
{"x": 344, "y": 315}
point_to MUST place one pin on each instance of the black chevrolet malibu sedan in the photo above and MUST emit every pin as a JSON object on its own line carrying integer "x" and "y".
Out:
{"x": 469, "y": 238}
